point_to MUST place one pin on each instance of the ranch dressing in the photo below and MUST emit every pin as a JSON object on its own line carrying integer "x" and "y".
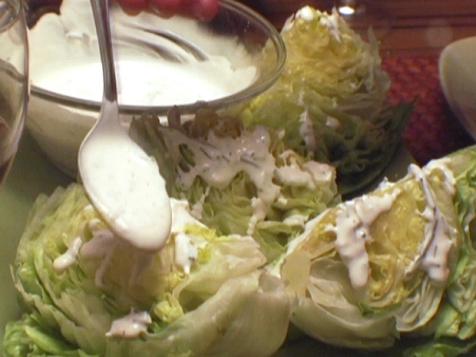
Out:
{"x": 180, "y": 83}
{"x": 353, "y": 232}
{"x": 124, "y": 183}
{"x": 67, "y": 259}
{"x": 218, "y": 160}
{"x": 186, "y": 246}
{"x": 130, "y": 326}
{"x": 152, "y": 69}
{"x": 438, "y": 240}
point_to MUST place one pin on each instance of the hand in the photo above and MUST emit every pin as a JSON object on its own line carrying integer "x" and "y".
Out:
{"x": 200, "y": 9}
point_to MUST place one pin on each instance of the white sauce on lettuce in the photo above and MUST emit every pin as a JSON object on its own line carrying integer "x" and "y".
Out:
{"x": 438, "y": 240}
{"x": 101, "y": 246}
{"x": 132, "y": 325}
{"x": 296, "y": 220}
{"x": 125, "y": 185}
{"x": 218, "y": 160}
{"x": 67, "y": 259}
{"x": 306, "y": 14}
{"x": 185, "y": 252}
{"x": 309, "y": 175}
{"x": 353, "y": 231}
{"x": 197, "y": 208}
{"x": 186, "y": 246}
{"x": 320, "y": 172}
{"x": 332, "y": 23}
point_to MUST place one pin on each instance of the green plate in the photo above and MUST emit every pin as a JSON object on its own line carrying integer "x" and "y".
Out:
{"x": 33, "y": 174}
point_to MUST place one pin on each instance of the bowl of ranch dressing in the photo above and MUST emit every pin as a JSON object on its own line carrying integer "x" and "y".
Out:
{"x": 161, "y": 63}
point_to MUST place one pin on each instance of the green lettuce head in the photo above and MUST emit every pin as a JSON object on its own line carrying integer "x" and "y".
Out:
{"x": 396, "y": 262}
{"x": 239, "y": 181}
{"x": 331, "y": 99}
{"x": 88, "y": 293}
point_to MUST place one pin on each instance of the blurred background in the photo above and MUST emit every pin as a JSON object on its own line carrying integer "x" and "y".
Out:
{"x": 411, "y": 33}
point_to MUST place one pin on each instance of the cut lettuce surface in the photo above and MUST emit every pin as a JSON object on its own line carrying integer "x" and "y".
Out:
{"x": 218, "y": 304}
{"x": 331, "y": 99}
{"x": 419, "y": 265}
{"x": 266, "y": 190}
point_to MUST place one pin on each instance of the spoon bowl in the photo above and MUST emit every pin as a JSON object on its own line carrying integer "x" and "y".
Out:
{"x": 122, "y": 181}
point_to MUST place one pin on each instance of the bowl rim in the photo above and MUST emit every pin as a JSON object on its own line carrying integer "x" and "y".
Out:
{"x": 235, "y": 98}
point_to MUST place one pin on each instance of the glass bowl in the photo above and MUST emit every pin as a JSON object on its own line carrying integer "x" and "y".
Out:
{"x": 59, "y": 117}
{"x": 13, "y": 80}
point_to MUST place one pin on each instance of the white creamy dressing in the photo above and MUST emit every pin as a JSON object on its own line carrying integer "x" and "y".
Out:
{"x": 69, "y": 258}
{"x": 104, "y": 242}
{"x": 197, "y": 208}
{"x": 296, "y": 220}
{"x": 132, "y": 325}
{"x": 71, "y": 64}
{"x": 310, "y": 175}
{"x": 306, "y": 14}
{"x": 306, "y": 130}
{"x": 150, "y": 81}
{"x": 124, "y": 184}
{"x": 293, "y": 175}
{"x": 439, "y": 236}
{"x": 332, "y": 23}
{"x": 353, "y": 232}
{"x": 185, "y": 252}
{"x": 320, "y": 172}
{"x": 218, "y": 160}
{"x": 186, "y": 246}
{"x": 102, "y": 247}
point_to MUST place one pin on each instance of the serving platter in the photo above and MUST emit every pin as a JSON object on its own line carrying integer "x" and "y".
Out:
{"x": 32, "y": 174}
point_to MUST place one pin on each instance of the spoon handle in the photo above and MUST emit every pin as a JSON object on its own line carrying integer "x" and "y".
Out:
{"x": 103, "y": 28}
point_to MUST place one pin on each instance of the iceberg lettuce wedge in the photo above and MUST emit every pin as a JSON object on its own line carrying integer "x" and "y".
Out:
{"x": 396, "y": 262}
{"x": 88, "y": 293}
{"x": 331, "y": 99}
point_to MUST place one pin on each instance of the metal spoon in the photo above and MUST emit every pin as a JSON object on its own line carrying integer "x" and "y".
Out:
{"x": 122, "y": 181}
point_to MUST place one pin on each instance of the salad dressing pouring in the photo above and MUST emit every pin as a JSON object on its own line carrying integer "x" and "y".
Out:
{"x": 121, "y": 180}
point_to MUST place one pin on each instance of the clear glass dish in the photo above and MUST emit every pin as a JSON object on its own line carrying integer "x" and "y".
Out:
{"x": 13, "y": 80}
{"x": 59, "y": 121}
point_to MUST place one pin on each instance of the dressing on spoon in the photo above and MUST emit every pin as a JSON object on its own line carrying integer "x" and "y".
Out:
{"x": 122, "y": 181}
